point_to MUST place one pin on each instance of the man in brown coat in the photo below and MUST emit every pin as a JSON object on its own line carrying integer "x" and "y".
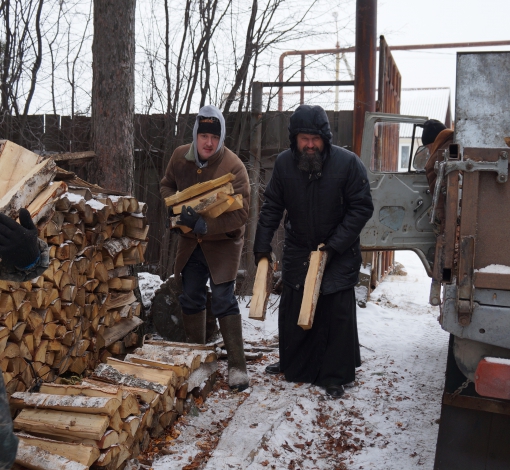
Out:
{"x": 212, "y": 250}
{"x": 437, "y": 138}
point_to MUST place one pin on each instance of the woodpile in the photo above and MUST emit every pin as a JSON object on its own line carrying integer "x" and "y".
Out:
{"x": 75, "y": 317}
{"x": 110, "y": 417}
{"x": 210, "y": 199}
{"x": 83, "y": 306}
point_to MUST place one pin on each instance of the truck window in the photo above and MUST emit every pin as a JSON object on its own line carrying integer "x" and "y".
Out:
{"x": 393, "y": 144}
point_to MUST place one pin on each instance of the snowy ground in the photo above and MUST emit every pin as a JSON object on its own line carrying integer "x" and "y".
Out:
{"x": 387, "y": 420}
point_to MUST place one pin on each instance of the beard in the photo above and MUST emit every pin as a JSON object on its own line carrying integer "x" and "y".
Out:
{"x": 311, "y": 163}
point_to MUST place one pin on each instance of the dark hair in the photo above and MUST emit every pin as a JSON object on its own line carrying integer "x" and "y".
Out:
{"x": 431, "y": 130}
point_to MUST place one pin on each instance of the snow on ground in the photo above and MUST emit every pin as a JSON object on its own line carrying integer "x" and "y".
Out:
{"x": 386, "y": 420}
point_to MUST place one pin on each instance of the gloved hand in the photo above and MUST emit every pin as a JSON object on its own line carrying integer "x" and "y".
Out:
{"x": 259, "y": 255}
{"x": 330, "y": 251}
{"x": 18, "y": 242}
{"x": 193, "y": 220}
{"x": 170, "y": 211}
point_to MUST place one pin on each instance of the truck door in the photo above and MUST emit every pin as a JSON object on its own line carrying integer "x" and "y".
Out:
{"x": 401, "y": 196}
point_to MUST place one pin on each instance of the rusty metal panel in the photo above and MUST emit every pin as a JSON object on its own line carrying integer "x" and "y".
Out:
{"x": 388, "y": 101}
{"x": 492, "y": 281}
{"x": 482, "y": 103}
{"x": 492, "y": 226}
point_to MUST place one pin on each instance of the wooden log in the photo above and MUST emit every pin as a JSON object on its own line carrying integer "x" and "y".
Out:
{"x": 22, "y": 176}
{"x": 6, "y": 302}
{"x": 261, "y": 290}
{"x": 116, "y": 422}
{"x": 34, "y": 457}
{"x": 66, "y": 251}
{"x": 129, "y": 405}
{"x": 90, "y": 390}
{"x": 79, "y": 404}
{"x": 132, "y": 256}
{"x": 108, "y": 456}
{"x": 179, "y": 370}
{"x": 143, "y": 394}
{"x": 9, "y": 319}
{"x": 197, "y": 189}
{"x": 138, "y": 233}
{"x": 109, "y": 373}
{"x": 164, "y": 377}
{"x": 42, "y": 205}
{"x": 207, "y": 201}
{"x": 312, "y": 287}
{"x": 237, "y": 204}
{"x": 121, "y": 329}
{"x": 49, "y": 422}
{"x": 10, "y": 351}
{"x": 131, "y": 425}
{"x": 84, "y": 454}
{"x": 129, "y": 283}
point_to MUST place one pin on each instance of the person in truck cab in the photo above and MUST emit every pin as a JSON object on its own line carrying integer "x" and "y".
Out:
{"x": 436, "y": 137}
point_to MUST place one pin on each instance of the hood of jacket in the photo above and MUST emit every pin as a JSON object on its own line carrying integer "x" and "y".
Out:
{"x": 309, "y": 120}
{"x": 206, "y": 111}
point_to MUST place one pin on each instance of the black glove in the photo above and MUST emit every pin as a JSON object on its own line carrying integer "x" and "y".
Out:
{"x": 330, "y": 251}
{"x": 259, "y": 255}
{"x": 170, "y": 211}
{"x": 18, "y": 242}
{"x": 193, "y": 220}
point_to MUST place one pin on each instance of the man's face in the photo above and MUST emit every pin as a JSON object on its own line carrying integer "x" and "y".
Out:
{"x": 310, "y": 144}
{"x": 207, "y": 145}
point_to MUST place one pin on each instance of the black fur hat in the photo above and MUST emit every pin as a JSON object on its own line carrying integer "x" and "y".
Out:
{"x": 431, "y": 130}
{"x": 309, "y": 120}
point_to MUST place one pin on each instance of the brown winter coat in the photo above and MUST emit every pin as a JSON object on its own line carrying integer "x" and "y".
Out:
{"x": 223, "y": 242}
{"x": 442, "y": 142}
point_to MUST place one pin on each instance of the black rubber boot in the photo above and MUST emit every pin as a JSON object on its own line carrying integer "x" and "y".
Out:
{"x": 194, "y": 326}
{"x": 231, "y": 328}
{"x": 335, "y": 391}
{"x": 273, "y": 369}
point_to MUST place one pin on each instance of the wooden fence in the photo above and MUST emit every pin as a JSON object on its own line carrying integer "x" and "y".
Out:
{"x": 154, "y": 145}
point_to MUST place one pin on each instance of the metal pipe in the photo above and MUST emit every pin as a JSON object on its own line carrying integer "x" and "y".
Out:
{"x": 254, "y": 169}
{"x": 309, "y": 83}
{"x": 408, "y": 47}
{"x": 337, "y": 76}
{"x": 365, "y": 67}
{"x": 302, "y": 93}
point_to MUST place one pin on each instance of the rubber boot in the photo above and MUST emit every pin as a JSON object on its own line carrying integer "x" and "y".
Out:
{"x": 194, "y": 327}
{"x": 232, "y": 331}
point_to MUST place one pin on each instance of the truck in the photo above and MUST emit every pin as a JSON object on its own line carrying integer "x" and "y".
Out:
{"x": 467, "y": 258}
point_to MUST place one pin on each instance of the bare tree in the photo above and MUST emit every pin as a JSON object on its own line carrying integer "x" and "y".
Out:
{"x": 22, "y": 56}
{"x": 113, "y": 50}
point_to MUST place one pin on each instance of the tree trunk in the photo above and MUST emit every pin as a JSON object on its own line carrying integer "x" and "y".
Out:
{"x": 113, "y": 88}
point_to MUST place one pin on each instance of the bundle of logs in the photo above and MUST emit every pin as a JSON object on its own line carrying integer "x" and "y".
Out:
{"x": 110, "y": 417}
{"x": 83, "y": 304}
{"x": 210, "y": 198}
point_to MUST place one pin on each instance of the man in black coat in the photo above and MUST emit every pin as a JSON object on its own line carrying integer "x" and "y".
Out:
{"x": 325, "y": 192}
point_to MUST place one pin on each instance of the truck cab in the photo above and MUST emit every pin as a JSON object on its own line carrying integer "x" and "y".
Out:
{"x": 467, "y": 254}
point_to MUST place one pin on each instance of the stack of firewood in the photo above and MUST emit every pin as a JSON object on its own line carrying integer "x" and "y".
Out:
{"x": 83, "y": 308}
{"x": 210, "y": 199}
{"x": 110, "y": 417}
